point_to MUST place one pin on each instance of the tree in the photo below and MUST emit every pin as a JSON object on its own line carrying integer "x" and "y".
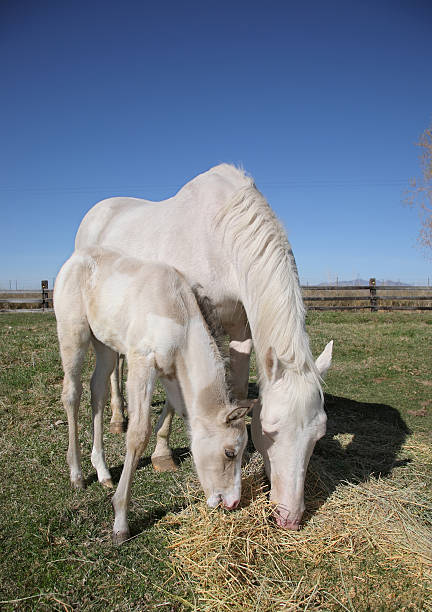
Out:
{"x": 419, "y": 195}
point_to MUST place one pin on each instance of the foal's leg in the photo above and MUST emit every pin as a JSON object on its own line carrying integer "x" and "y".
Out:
{"x": 74, "y": 340}
{"x": 140, "y": 384}
{"x": 117, "y": 423}
{"x": 105, "y": 363}
{"x": 162, "y": 458}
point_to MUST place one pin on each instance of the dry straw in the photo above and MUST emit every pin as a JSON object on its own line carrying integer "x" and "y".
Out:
{"x": 242, "y": 561}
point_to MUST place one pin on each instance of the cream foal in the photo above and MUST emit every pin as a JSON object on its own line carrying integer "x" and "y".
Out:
{"x": 146, "y": 311}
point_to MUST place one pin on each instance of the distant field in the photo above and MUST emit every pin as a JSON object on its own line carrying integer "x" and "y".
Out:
{"x": 366, "y": 540}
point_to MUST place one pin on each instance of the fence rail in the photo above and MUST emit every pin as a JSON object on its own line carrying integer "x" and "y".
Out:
{"x": 364, "y": 297}
{"x": 27, "y": 300}
{"x": 371, "y": 297}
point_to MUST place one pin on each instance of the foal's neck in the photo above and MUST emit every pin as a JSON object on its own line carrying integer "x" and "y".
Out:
{"x": 201, "y": 371}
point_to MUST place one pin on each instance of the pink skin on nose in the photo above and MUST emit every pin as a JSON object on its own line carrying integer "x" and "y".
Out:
{"x": 285, "y": 523}
{"x": 231, "y": 506}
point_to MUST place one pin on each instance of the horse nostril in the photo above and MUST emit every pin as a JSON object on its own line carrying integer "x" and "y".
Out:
{"x": 286, "y": 523}
{"x": 294, "y": 526}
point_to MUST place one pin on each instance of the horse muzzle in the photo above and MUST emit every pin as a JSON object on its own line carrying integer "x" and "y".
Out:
{"x": 282, "y": 518}
{"x": 229, "y": 502}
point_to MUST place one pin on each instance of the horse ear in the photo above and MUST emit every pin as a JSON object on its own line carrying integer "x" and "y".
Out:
{"x": 239, "y": 412}
{"x": 325, "y": 359}
{"x": 273, "y": 367}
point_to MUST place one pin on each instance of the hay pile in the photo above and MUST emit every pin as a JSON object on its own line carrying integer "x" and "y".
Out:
{"x": 242, "y": 561}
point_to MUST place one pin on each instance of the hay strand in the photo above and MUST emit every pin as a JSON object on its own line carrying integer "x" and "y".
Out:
{"x": 242, "y": 561}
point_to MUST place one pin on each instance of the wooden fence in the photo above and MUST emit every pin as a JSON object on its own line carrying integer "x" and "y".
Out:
{"x": 319, "y": 297}
{"x": 27, "y": 300}
{"x": 367, "y": 297}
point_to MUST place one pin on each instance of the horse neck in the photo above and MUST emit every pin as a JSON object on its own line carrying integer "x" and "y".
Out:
{"x": 267, "y": 277}
{"x": 271, "y": 326}
{"x": 201, "y": 372}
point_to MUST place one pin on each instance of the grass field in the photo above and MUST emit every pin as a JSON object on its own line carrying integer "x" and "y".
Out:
{"x": 366, "y": 543}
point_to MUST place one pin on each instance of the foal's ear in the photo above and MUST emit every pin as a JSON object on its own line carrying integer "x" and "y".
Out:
{"x": 237, "y": 413}
{"x": 273, "y": 366}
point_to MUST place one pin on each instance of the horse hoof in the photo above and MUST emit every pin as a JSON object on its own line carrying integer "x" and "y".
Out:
{"x": 107, "y": 483}
{"x": 164, "y": 463}
{"x": 120, "y": 536}
{"x": 117, "y": 428}
{"x": 78, "y": 484}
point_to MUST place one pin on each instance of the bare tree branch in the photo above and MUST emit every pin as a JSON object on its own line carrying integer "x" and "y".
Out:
{"x": 419, "y": 195}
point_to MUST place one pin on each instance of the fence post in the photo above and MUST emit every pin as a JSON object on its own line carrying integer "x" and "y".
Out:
{"x": 44, "y": 286}
{"x": 373, "y": 296}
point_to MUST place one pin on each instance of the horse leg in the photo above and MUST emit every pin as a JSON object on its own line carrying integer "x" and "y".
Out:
{"x": 117, "y": 423}
{"x": 240, "y": 350}
{"x": 140, "y": 384}
{"x": 74, "y": 340}
{"x": 105, "y": 364}
{"x": 162, "y": 458}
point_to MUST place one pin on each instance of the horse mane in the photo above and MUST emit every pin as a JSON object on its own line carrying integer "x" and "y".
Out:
{"x": 268, "y": 278}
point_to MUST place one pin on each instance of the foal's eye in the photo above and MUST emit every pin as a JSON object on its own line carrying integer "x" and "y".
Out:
{"x": 230, "y": 453}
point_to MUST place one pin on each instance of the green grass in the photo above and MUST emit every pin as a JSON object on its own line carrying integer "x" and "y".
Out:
{"x": 55, "y": 543}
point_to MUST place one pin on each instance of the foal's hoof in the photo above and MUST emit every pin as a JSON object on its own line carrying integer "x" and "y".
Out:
{"x": 78, "y": 484}
{"x": 107, "y": 484}
{"x": 164, "y": 463}
{"x": 117, "y": 428}
{"x": 120, "y": 536}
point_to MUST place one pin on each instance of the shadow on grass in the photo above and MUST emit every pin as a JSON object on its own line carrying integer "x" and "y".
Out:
{"x": 179, "y": 455}
{"x": 363, "y": 441}
{"x": 378, "y": 433}
{"x": 145, "y": 521}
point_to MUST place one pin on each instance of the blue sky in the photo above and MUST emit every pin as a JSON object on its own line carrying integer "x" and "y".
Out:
{"x": 322, "y": 102}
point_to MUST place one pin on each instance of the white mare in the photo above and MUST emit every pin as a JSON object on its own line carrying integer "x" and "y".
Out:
{"x": 146, "y": 311}
{"x": 220, "y": 232}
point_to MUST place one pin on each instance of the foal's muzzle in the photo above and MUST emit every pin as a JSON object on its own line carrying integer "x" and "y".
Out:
{"x": 229, "y": 502}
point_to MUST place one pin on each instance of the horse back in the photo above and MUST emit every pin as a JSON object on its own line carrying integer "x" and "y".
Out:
{"x": 180, "y": 231}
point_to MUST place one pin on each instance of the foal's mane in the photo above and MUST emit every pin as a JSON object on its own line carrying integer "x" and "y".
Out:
{"x": 268, "y": 277}
{"x": 211, "y": 319}
{"x": 216, "y": 331}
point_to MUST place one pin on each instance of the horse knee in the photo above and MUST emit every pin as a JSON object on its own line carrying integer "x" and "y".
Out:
{"x": 71, "y": 395}
{"x": 137, "y": 439}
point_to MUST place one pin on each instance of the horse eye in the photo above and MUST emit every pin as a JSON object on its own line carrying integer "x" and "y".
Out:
{"x": 230, "y": 453}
